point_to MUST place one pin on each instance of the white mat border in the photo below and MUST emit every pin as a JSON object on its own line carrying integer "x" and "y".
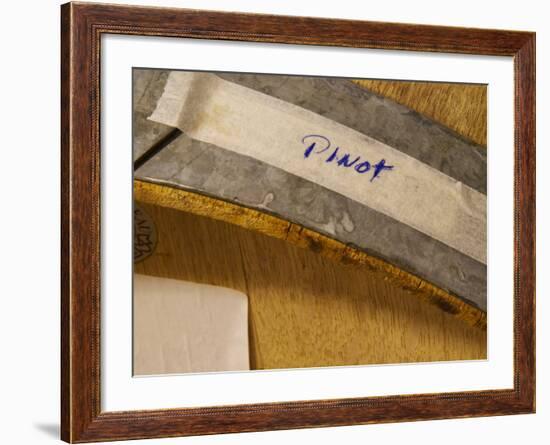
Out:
{"x": 122, "y": 392}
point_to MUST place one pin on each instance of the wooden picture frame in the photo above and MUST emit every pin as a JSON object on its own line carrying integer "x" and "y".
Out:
{"x": 82, "y": 26}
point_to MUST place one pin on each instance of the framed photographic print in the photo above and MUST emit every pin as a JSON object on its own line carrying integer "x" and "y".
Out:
{"x": 279, "y": 222}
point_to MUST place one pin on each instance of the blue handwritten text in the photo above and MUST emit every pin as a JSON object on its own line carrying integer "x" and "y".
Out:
{"x": 317, "y": 144}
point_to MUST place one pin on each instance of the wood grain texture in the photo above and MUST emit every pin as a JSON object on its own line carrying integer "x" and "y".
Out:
{"x": 306, "y": 310}
{"x": 300, "y": 236}
{"x": 82, "y": 418}
{"x": 524, "y": 223}
{"x": 461, "y": 107}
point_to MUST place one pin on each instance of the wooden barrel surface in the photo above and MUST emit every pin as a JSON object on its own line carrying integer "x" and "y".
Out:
{"x": 307, "y": 310}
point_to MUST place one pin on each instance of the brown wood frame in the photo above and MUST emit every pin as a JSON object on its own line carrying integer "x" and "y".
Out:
{"x": 81, "y": 27}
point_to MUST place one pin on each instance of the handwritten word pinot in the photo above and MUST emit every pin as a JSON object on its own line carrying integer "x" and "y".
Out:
{"x": 318, "y": 144}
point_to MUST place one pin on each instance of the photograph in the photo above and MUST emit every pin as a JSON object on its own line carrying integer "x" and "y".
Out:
{"x": 274, "y": 222}
{"x": 287, "y": 221}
